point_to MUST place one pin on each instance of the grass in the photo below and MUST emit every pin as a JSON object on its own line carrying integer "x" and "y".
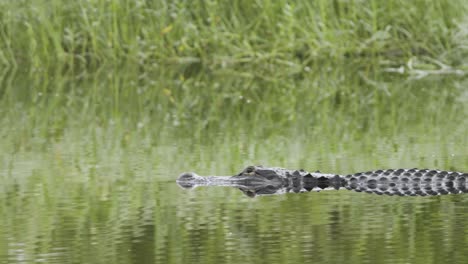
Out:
{"x": 276, "y": 38}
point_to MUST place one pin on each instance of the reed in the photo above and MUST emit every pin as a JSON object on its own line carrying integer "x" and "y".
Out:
{"x": 276, "y": 38}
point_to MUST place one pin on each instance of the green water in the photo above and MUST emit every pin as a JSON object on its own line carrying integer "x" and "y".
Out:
{"x": 88, "y": 164}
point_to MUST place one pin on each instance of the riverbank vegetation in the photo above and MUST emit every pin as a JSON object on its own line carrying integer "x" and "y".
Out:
{"x": 268, "y": 39}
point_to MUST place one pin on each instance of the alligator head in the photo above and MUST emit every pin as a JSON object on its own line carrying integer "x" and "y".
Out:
{"x": 252, "y": 181}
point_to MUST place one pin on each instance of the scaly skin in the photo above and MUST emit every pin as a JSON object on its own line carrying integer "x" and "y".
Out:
{"x": 259, "y": 180}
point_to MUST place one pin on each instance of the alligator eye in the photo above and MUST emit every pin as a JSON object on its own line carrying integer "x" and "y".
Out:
{"x": 250, "y": 169}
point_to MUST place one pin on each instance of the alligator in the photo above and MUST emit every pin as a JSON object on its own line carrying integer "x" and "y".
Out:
{"x": 260, "y": 180}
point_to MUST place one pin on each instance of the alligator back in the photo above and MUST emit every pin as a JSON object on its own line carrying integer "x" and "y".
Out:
{"x": 407, "y": 182}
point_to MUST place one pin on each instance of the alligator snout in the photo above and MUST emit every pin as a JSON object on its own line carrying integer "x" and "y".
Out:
{"x": 188, "y": 180}
{"x": 188, "y": 176}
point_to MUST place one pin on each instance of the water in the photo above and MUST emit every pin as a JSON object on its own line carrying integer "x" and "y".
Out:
{"x": 327, "y": 227}
{"x": 88, "y": 176}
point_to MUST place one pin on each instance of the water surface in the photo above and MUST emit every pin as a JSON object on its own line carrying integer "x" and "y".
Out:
{"x": 88, "y": 169}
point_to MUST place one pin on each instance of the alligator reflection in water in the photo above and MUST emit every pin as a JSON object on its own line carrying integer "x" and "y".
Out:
{"x": 259, "y": 180}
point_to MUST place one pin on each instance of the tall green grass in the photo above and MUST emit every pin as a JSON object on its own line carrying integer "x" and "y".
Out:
{"x": 276, "y": 38}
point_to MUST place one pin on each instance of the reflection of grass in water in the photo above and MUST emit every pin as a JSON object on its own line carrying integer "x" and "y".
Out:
{"x": 325, "y": 113}
{"x": 263, "y": 39}
{"x": 339, "y": 102}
